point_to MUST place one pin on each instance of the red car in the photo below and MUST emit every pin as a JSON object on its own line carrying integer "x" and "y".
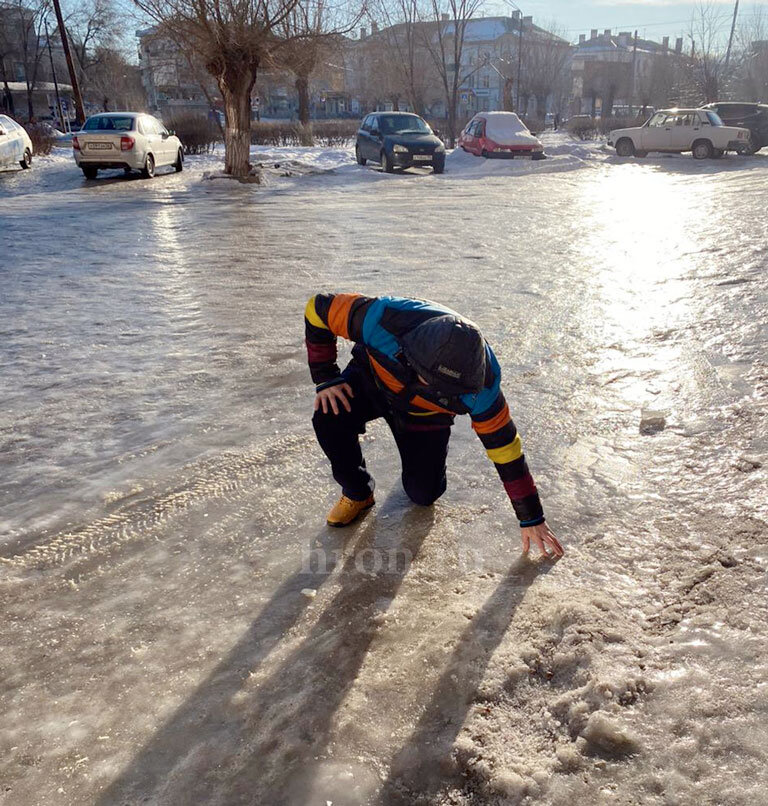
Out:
{"x": 500, "y": 135}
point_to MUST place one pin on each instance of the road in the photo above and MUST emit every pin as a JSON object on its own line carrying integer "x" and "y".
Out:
{"x": 163, "y": 498}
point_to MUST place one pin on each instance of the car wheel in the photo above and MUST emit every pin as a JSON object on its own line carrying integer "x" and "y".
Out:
{"x": 361, "y": 160}
{"x": 26, "y": 160}
{"x": 702, "y": 150}
{"x": 438, "y": 166}
{"x": 149, "y": 167}
{"x": 717, "y": 153}
{"x": 625, "y": 147}
{"x": 90, "y": 172}
{"x": 386, "y": 163}
{"x": 749, "y": 148}
{"x": 179, "y": 164}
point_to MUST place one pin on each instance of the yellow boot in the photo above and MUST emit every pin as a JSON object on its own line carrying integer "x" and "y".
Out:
{"x": 345, "y": 510}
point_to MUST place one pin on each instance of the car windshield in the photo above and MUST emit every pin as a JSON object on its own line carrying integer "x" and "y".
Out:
{"x": 108, "y": 123}
{"x": 399, "y": 124}
{"x": 714, "y": 119}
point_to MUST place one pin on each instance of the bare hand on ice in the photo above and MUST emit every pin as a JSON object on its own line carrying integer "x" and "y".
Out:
{"x": 543, "y": 537}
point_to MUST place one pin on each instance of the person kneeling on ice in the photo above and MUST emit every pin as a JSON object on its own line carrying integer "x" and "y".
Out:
{"x": 416, "y": 364}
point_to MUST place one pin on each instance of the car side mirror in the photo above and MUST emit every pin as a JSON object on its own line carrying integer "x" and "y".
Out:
{"x": 375, "y": 133}
{"x": 2, "y": 131}
{"x": 171, "y": 132}
{"x": 436, "y": 132}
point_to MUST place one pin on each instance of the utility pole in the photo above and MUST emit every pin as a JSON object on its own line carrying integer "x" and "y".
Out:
{"x": 55, "y": 81}
{"x": 634, "y": 74}
{"x": 519, "y": 61}
{"x": 79, "y": 109}
{"x": 730, "y": 38}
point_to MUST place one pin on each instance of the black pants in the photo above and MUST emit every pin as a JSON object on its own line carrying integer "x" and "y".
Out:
{"x": 423, "y": 448}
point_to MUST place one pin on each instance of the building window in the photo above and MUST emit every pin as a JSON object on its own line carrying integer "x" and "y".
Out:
{"x": 486, "y": 82}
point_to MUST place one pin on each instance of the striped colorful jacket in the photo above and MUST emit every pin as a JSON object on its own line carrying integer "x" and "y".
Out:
{"x": 375, "y": 324}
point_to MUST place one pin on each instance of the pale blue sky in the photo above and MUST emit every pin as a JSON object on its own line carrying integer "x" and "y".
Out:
{"x": 653, "y": 19}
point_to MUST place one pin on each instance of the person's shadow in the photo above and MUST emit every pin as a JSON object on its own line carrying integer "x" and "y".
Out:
{"x": 423, "y": 764}
{"x": 242, "y": 739}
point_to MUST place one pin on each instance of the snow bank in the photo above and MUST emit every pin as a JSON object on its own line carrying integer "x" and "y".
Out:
{"x": 461, "y": 164}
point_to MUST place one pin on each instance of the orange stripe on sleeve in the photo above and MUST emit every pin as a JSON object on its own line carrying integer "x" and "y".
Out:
{"x": 496, "y": 422}
{"x": 338, "y": 314}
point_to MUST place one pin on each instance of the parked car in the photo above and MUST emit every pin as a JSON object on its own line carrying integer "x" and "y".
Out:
{"x": 15, "y": 145}
{"x": 127, "y": 140}
{"x": 699, "y": 131}
{"x": 747, "y": 116}
{"x": 399, "y": 140}
{"x": 500, "y": 135}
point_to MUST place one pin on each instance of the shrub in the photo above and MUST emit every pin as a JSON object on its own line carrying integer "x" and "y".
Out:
{"x": 582, "y": 126}
{"x": 535, "y": 125}
{"x": 285, "y": 133}
{"x": 42, "y": 137}
{"x": 198, "y": 135}
{"x": 606, "y": 125}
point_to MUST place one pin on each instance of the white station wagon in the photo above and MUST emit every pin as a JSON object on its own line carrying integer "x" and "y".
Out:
{"x": 15, "y": 145}
{"x": 699, "y": 131}
{"x": 127, "y": 140}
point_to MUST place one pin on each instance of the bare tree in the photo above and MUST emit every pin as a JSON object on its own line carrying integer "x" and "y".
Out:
{"x": 545, "y": 66}
{"x": 232, "y": 39}
{"x": 7, "y": 47}
{"x": 402, "y": 36}
{"x": 709, "y": 69}
{"x": 753, "y": 44}
{"x": 114, "y": 81}
{"x": 24, "y": 41}
{"x": 93, "y": 27}
{"x": 306, "y": 37}
{"x": 445, "y": 42}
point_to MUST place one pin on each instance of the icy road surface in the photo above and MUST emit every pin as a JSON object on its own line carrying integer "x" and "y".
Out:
{"x": 178, "y": 625}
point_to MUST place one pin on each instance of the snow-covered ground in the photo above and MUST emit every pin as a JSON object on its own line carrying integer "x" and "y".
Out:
{"x": 162, "y": 498}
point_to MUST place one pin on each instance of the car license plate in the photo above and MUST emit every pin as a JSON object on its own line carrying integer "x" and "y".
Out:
{"x": 422, "y": 157}
{"x": 99, "y": 146}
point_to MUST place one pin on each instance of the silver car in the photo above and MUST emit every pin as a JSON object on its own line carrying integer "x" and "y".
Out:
{"x": 129, "y": 140}
{"x": 15, "y": 145}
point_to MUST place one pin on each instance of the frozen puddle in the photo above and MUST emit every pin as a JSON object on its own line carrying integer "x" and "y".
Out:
{"x": 180, "y": 627}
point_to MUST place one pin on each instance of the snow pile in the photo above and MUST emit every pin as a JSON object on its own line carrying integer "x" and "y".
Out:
{"x": 460, "y": 163}
{"x": 554, "y": 699}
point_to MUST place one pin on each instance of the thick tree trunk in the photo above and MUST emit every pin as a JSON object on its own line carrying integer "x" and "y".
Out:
{"x": 451, "y": 126}
{"x": 237, "y": 134}
{"x": 302, "y": 87}
{"x": 508, "y": 101}
{"x": 7, "y": 97}
{"x": 305, "y": 127}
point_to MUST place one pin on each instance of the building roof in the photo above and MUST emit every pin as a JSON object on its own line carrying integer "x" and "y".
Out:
{"x": 40, "y": 86}
{"x": 622, "y": 42}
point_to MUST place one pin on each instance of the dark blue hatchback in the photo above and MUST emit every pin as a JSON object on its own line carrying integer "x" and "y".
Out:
{"x": 399, "y": 140}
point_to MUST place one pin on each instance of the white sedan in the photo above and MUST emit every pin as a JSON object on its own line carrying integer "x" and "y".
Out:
{"x": 15, "y": 145}
{"x": 699, "y": 131}
{"x": 127, "y": 140}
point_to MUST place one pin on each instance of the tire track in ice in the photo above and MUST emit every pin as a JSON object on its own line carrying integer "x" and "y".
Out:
{"x": 224, "y": 480}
